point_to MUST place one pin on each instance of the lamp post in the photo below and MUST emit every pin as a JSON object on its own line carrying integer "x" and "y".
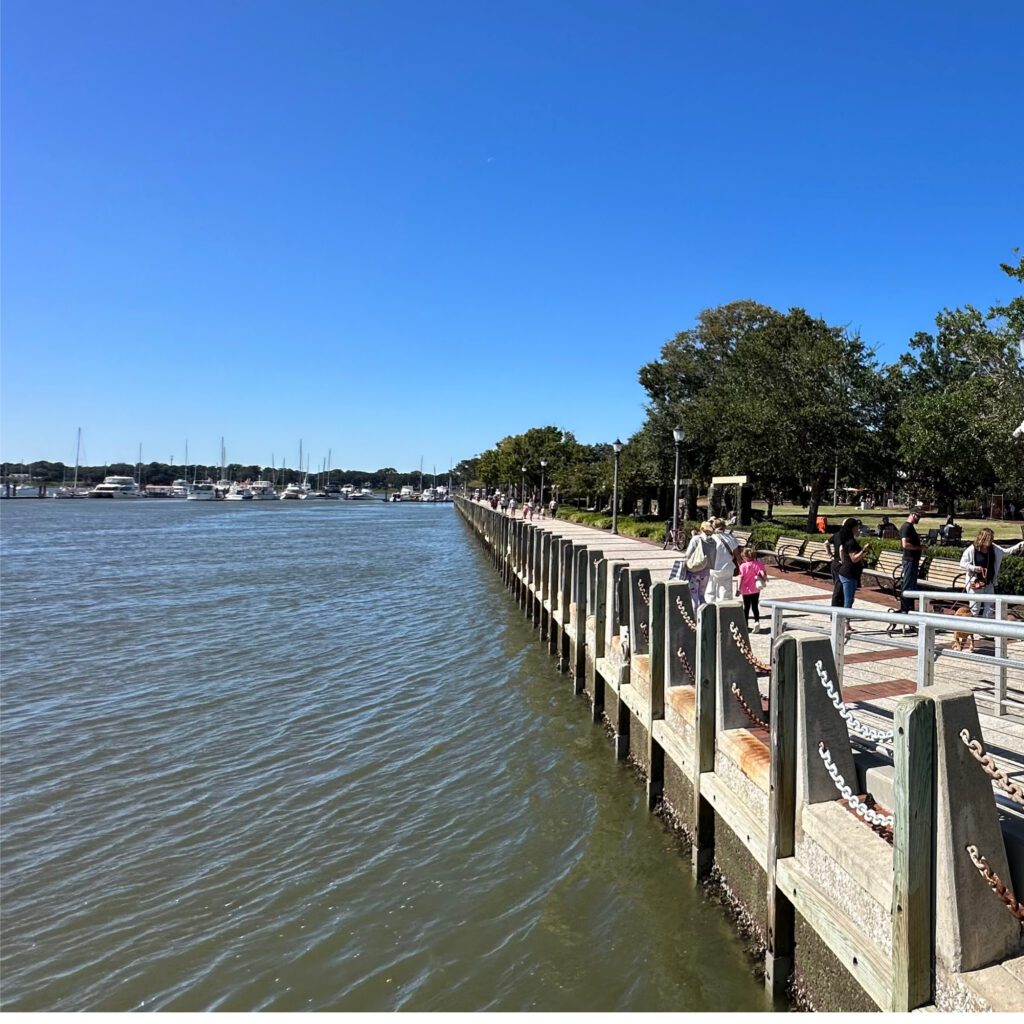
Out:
{"x": 616, "y": 448}
{"x": 543, "y": 463}
{"x": 523, "y": 494}
{"x": 677, "y": 434}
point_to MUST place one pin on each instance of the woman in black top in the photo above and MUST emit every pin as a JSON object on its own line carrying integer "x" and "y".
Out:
{"x": 851, "y": 562}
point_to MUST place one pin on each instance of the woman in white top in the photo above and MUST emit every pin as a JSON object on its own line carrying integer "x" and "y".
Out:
{"x": 724, "y": 563}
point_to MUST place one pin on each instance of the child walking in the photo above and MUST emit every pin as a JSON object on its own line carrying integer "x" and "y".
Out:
{"x": 752, "y": 578}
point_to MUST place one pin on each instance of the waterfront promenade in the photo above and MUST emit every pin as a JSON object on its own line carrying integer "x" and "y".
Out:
{"x": 746, "y": 745}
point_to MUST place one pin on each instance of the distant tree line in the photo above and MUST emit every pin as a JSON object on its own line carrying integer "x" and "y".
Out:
{"x": 55, "y": 473}
{"x": 787, "y": 398}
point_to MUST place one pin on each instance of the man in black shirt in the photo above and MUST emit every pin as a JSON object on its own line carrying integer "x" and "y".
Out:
{"x": 910, "y": 542}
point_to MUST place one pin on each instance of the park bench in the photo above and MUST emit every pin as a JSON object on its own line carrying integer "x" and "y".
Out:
{"x": 942, "y": 574}
{"x": 814, "y": 558}
{"x": 743, "y": 536}
{"x": 888, "y": 571}
{"x": 785, "y": 548}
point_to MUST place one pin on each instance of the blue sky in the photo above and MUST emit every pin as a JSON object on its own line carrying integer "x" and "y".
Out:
{"x": 403, "y": 229}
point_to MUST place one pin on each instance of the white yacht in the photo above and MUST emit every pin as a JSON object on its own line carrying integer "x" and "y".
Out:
{"x": 363, "y": 494}
{"x": 293, "y": 492}
{"x": 407, "y": 494}
{"x": 346, "y": 491}
{"x": 206, "y": 491}
{"x": 238, "y": 492}
{"x": 116, "y": 487}
{"x": 263, "y": 490}
{"x": 179, "y": 489}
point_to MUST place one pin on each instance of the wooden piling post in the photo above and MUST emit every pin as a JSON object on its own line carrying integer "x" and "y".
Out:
{"x": 656, "y": 704}
{"x": 704, "y": 748}
{"x": 780, "y": 926}
{"x": 913, "y": 886}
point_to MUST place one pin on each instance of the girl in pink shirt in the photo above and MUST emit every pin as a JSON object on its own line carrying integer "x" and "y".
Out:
{"x": 752, "y": 578}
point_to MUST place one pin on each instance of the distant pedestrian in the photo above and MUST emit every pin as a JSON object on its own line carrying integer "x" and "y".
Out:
{"x": 887, "y": 530}
{"x": 753, "y": 577}
{"x": 983, "y": 559}
{"x": 913, "y": 548}
{"x": 553, "y": 508}
{"x": 851, "y": 562}
{"x": 698, "y": 558}
{"x": 512, "y": 506}
{"x": 527, "y": 509}
{"x": 503, "y": 503}
{"x": 724, "y": 564}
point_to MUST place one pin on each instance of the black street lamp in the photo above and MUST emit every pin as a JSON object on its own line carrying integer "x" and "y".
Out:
{"x": 616, "y": 447}
{"x": 522, "y": 496}
{"x": 677, "y": 434}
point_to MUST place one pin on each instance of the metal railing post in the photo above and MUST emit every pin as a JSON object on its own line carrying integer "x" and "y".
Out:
{"x": 1001, "y": 653}
{"x": 925, "y": 659}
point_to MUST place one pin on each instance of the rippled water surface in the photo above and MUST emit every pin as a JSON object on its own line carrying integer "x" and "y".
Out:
{"x": 297, "y": 756}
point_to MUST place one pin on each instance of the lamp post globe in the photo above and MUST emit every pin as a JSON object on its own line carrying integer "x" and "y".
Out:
{"x": 543, "y": 463}
{"x": 616, "y": 448}
{"x": 522, "y": 494}
{"x": 677, "y": 436}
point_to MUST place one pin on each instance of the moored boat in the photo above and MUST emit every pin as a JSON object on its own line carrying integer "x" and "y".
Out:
{"x": 116, "y": 487}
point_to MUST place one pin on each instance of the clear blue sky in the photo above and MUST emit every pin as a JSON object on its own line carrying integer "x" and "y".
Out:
{"x": 399, "y": 229}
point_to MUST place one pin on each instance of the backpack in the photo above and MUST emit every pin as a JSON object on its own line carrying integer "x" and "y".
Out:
{"x": 698, "y": 559}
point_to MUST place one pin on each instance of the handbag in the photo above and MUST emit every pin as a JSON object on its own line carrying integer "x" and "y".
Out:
{"x": 698, "y": 559}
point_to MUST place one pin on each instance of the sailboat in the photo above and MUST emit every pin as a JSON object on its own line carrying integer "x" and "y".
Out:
{"x": 74, "y": 491}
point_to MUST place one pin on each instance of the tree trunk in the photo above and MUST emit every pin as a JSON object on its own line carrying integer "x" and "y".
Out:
{"x": 812, "y": 507}
{"x": 771, "y": 505}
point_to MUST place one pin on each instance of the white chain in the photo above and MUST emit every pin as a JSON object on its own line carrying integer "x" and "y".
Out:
{"x": 851, "y": 720}
{"x": 625, "y": 641}
{"x": 684, "y": 613}
{"x": 862, "y": 810}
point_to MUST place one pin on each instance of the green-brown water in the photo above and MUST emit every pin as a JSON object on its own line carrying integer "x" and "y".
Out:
{"x": 295, "y": 756}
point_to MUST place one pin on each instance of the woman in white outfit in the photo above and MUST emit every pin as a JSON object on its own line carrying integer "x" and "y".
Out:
{"x": 723, "y": 564}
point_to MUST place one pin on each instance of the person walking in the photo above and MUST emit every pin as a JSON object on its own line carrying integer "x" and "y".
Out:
{"x": 723, "y": 565}
{"x": 913, "y": 548}
{"x": 835, "y": 554}
{"x": 512, "y": 506}
{"x": 697, "y": 558}
{"x": 753, "y": 577}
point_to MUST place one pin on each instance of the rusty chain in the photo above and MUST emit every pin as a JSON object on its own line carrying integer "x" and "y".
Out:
{"x": 851, "y": 720}
{"x": 644, "y": 593}
{"x": 1013, "y": 790}
{"x": 882, "y": 823}
{"x": 685, "y": 614}
{"x": 746, "y": 709}
{"x": 745, "y": 650}
{"x": 681, "y": 655}
{"x": 995, "y": 883}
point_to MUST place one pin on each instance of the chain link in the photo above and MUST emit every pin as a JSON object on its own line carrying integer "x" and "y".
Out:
{"x": 685, "y": 614}
{"x": 746, "y": 709}
{"x": 745, "y": 650}
{"x": 882, "y": 822}
{"x": 851, "y": 720}
{"x": 624, "y": 641}
{"x": 681, "y": 655}
{"x": 1013, "y": 790}
{"x": 995, "y": 883}
{"x": 644, "y": 593}
{"x": 642, "y": 626}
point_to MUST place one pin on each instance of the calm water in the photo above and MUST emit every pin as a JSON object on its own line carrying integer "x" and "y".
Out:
{"x": 310, "y": 756}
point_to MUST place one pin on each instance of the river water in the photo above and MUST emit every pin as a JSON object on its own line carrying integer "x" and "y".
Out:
{"x": 292, "y": 756}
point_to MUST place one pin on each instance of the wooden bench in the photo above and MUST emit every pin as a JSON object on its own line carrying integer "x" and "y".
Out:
{"x": 785, "y": 548}
{"x": 815, "y": 558}
{"x": 888, "y": 571}
{"x": 743, "y": 536}
{"x": 942, "y": 574}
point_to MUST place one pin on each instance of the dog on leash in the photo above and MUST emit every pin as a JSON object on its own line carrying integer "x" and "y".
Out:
{"x": 963, "y": 641}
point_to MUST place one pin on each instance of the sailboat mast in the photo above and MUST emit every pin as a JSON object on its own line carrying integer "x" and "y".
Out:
{"x": 78, "y": 448}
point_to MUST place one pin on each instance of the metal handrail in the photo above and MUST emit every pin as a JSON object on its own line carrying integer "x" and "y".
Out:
{"x": 928, "y": 626}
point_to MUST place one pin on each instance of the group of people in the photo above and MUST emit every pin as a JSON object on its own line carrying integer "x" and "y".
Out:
{"x": 508, "y": 505}
{"x": 713, "y": 558}
{"x": 981, "y": 561}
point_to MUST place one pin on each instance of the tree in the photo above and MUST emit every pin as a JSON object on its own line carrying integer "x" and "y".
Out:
{"x": 793, "y": 396}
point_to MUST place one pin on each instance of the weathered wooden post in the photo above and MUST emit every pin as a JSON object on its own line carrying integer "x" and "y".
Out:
{"x": 913, "y": 885}
{"x": 704, "y": 750}
{"x": 656, "y": 702}
{"x": 780, "y": 929}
